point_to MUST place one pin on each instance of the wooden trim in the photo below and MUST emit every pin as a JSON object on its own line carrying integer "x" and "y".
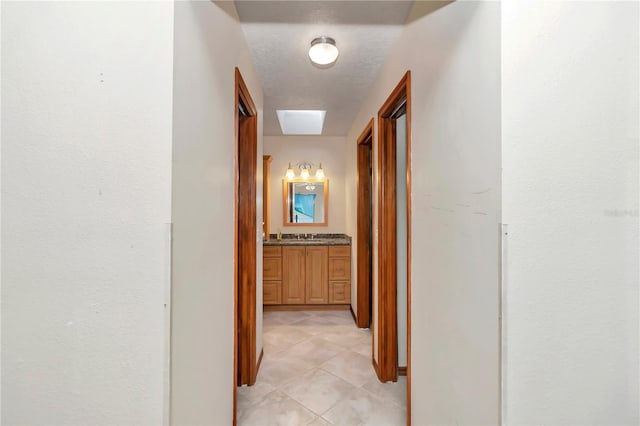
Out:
{"x": 246, "y": 126}
{"x": 364, "y": 224}
{"x": 259, "y": 364}
{"x": 313, "y": 307}
{"x": 235, "y": 253}
{"x": 244, "y": 96}
{"x": 387, "y": 240}
{"x": 397, "y": 96}
{"x": 402, "y": 371}
{"x": 286, "y": 207}
{"x": 266, "y": 195}
{"x": 387, "y": 246}
{"x": 409, "y": 262}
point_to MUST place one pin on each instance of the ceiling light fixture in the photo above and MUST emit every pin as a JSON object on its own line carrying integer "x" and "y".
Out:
{"x": 323, "y": 51}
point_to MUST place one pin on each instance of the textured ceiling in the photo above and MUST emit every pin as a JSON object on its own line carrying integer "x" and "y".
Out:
{"x": 279, "y": 34}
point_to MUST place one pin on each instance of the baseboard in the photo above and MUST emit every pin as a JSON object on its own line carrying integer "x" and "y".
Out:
{"x": 402, "y": 371}
{"x": 353, "y": 315}
{"x": 306, "y": 307}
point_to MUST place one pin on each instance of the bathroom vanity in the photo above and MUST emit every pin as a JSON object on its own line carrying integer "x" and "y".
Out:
{"x": 307, "y": 271}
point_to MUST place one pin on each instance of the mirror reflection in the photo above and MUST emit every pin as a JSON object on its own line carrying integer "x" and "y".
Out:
{"x": 305, "y": 202}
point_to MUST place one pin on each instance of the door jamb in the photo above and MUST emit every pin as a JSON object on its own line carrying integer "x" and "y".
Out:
{"x": 244, "y": 306}
{"x": 364, "y": 152}
{"x": 387, "y": 243}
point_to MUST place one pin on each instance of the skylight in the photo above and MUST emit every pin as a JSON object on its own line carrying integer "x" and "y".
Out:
{"x": 301, "y": 122}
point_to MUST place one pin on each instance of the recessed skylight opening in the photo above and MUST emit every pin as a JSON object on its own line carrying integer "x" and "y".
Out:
{"x": 301, "y": 122}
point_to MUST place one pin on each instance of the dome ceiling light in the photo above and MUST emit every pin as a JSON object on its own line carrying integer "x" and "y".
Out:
{"x": 323, "y": 51}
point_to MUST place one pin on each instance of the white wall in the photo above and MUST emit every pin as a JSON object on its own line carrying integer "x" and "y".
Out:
{"x": 315, "y": 149}
{"x": 209, "y": 43}
{"x": 570, "y": 157}
{"x": 454, "y": 56}
{"x": 86, "y": 181}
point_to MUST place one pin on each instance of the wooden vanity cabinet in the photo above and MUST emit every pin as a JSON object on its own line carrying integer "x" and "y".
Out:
{"x": 304, "y": 275}
{"x": 316, "y": 290}
{"x": 272, "y": 275}
{"x": 339, "y": 274}
{"x": 293, "y": 274}
{"x": 299, "y": 275}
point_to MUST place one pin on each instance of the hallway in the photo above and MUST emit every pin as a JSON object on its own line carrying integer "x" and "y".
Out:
{"x": 120, "y": 181}
{"x": 317, "y": 370}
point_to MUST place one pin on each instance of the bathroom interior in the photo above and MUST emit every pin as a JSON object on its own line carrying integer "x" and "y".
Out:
{"x": 316, "y": 361}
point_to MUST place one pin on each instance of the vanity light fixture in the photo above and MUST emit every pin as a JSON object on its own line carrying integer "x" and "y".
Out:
{"x": 290, "y": 173}
{"x": 323, "y": 51}
{"x": 305, "y": 171}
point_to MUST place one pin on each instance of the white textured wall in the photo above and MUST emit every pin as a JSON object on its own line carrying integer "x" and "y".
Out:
{"x": 86, "y": 181}
{"x": 570, "y": 157}
{"x": 454, "y": 55}
{"x": 314, "y": 149}
{"x": 209, "y": 44}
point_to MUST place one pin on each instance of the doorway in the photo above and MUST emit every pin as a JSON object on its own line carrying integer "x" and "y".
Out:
{"x": 396, "y": 109}
{"x": 246, "y": 120}
{"x": 364, "y": 258}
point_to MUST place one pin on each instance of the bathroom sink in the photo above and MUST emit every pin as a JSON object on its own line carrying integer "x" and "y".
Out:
{"x": 316, "y": 241}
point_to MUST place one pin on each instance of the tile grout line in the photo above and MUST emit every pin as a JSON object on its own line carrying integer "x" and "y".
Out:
{"x": 324, "y": 327}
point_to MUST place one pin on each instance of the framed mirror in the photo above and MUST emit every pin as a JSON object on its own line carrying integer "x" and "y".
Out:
{"x": 305, "y": 202}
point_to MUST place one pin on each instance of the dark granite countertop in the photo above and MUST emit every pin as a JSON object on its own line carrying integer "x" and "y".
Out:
{"x": 317, "y": 240}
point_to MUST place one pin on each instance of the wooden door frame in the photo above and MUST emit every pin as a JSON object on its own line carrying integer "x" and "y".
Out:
{"x": 244, "y": 360}
{"x": 266, "y": 196}
{"x": 387, "y": 324}
{"x": 364, "y": 206}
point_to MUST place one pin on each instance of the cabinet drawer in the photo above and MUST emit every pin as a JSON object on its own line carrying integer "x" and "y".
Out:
{"x": 339, "y": 292}
{"x": 272, "y": 268}
{"x": 339, "y": 251}
{"x": 271, "y": 251}
{"x": 339, "y": 268}
{"x": 272, "y": 293}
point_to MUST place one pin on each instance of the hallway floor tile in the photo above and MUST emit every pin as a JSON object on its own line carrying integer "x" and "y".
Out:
{"x": 317, "y": 370}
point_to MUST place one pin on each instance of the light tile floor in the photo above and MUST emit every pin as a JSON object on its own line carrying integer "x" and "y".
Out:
{"x": 317, "y": 370}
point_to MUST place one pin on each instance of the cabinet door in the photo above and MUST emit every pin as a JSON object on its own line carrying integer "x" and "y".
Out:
{"x": 339, "y": 251}
{"x": 272, "y": 293}
{"x": 339, "y": 292}
{"x": 271, "y": 251}
{"x": 317, "y": 290}
{"x": 339, "y": 268}
{"x": 272, "y": 268}
{"x": 293, "y": 275}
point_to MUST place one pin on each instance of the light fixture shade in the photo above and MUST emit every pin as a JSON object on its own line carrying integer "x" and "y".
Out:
{"x": 290, "y": 173}
{"x": 320, "y": 172}
{"x": 323, "y": 50}
{"x": 304, "y": 174}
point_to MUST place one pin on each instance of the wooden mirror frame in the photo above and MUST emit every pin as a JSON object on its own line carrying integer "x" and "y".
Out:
{"x": 285, "y": 196}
